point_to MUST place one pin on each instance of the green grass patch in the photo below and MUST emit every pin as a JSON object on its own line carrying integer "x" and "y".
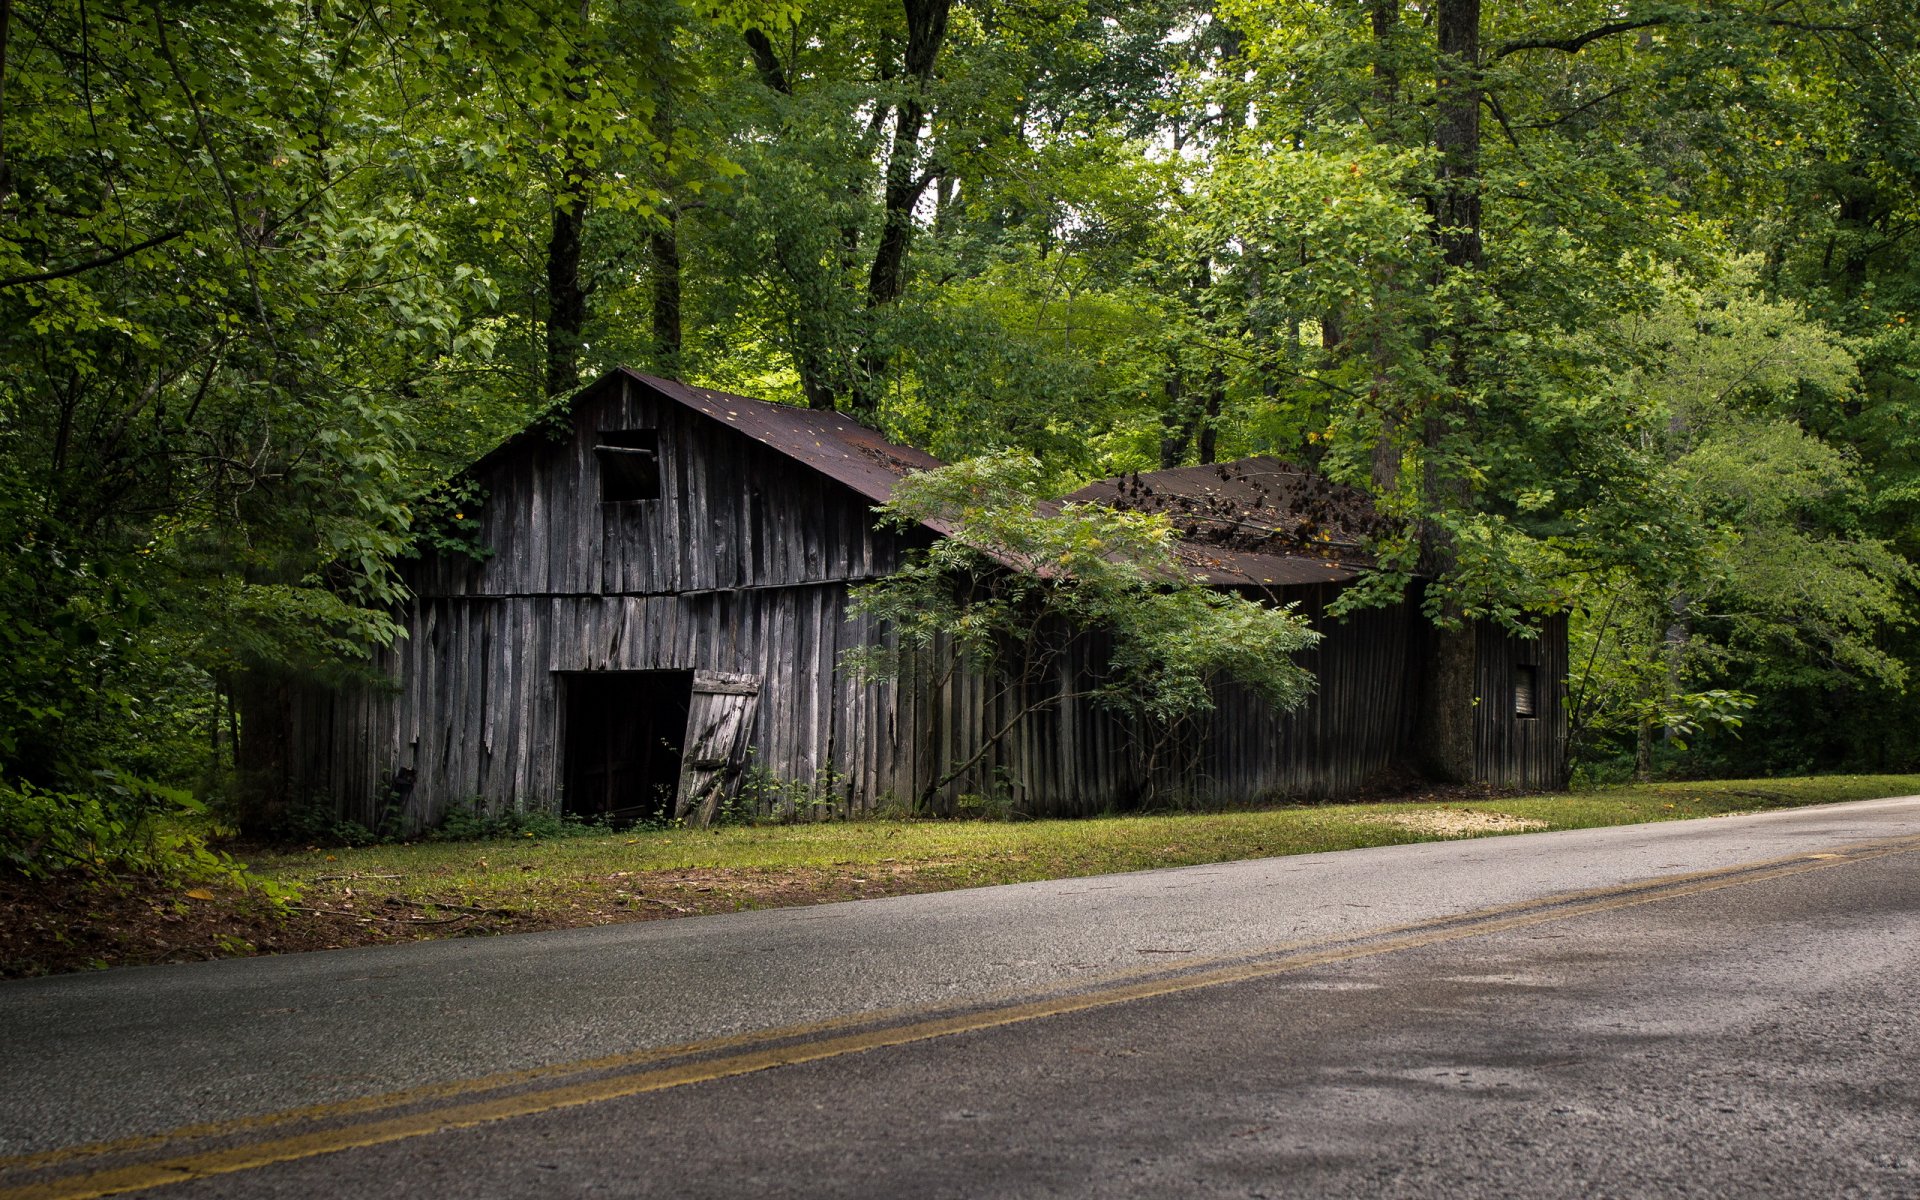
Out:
{"x": 660, "y": 872}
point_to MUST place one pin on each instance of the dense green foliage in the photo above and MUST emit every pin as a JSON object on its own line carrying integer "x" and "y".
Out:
{"x": 1616, "y": 304}
{"x": 1016, "y": 582}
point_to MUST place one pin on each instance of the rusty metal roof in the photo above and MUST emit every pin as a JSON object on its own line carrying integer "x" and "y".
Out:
{"x": 1257, "y": 521}
{"x": 837, "y": 446}
{"x": 1238, "y": 568}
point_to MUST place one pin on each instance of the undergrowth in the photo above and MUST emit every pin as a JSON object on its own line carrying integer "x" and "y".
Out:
{"x": 120, "y": 830}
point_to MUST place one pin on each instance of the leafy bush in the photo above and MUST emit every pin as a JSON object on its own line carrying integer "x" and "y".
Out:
{"x": 122, "y": 826}
{"x": 1019, "y": 585}
{"x": 763, "y": 795}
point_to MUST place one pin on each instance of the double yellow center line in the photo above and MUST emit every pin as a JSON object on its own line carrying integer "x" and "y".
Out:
{"x": 203, "y": 1151}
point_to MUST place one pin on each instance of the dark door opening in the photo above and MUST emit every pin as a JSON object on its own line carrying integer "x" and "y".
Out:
{"x": 624, "y": 734}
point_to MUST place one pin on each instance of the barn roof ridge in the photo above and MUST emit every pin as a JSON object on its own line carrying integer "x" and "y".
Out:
{"x": 830, "y": 442}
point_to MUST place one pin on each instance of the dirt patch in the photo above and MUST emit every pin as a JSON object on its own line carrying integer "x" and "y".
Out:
{"x": 54, "y": 925}
{"x": 1457, "y": 822}
{"x": 49, "y": 927}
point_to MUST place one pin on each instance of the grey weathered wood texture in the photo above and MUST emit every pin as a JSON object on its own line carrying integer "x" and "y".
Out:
{"x": 743, "y": 569}
{"x": 719, "y": 721}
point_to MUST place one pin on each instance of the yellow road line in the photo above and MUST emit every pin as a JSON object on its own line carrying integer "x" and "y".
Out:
{"x": 629, "y": 1059}
{"x": 636, "y": 1074}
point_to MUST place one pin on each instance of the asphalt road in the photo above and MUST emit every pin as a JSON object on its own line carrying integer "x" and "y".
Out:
{"x": 1446, "y": 1019}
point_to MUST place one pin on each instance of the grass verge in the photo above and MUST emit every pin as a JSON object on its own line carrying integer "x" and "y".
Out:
{"x": 403, "y": 892}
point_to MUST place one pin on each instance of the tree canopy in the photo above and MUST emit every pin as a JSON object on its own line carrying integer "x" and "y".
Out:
{"x": 1614, "y": 305}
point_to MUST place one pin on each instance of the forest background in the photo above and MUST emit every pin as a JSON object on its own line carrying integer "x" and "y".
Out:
{"x": 1613, "y": 304}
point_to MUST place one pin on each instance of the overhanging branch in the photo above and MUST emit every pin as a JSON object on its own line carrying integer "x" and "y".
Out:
{"x": 105, "y": 260}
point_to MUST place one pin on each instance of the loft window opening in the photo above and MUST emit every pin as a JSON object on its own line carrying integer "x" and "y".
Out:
{"x": 1526, "y": 690}
{"x": 629, "y": 464}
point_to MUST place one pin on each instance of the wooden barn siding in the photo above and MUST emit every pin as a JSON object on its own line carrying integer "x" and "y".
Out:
{"x": 1510, "y": 751}
{"x": 732, "y": 514}
{"x": 1077, "y": 758}
{"x": 479, "y": 714}
{"x": 1353, "y": 729}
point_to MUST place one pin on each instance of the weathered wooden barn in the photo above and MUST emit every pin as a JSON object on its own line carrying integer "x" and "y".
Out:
{"x": 663, "y": 615}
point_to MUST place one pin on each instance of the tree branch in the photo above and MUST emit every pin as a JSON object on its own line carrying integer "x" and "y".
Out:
{"x": 1579, "y": 41}
{"x": 767, "y": 63}
{"x": 104, "y": 260}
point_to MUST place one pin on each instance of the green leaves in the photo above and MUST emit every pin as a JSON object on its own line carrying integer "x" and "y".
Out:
{"x": 1015, "y": 580}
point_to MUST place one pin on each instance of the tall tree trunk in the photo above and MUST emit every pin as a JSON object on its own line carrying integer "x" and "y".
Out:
{"x": 1385, "y": 470}
{"x": 663, "y": 242}
{"x": 1856, "y": 226}
{"x": 810, "y": 356}
{"x": 767, "y": 63}
{"x": 566, "y": 296}
{"x": 6, "y": 171}
{"x": 1176, "y": 421}
{"x": 1456, "y": 133}
{"x": 887, "y": 280}
{"x": 1210, "y": 418}
{"x": 1333, "y": 330}
{"x": 1449, "y": 704}
{"x": 1386, "y": 70}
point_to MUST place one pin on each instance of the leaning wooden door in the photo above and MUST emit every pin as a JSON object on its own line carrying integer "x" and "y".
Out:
{"x": 718, "y": 722}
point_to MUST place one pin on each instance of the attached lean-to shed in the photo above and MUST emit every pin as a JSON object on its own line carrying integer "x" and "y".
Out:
{"x": 662, "y": 619}
{"x": 1287, "y": 533}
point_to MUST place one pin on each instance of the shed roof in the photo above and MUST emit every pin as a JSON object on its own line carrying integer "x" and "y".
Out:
{"x": 1254, "y": 521}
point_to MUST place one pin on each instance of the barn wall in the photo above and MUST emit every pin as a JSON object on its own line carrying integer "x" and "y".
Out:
{"x": 479, "y": 711}
{"x": 1353, "y": 730}
{"x": 732, "y": 514}
{"x": 1513, "y": 751}
{"x": 744, "y": 566}
{"x": 478, "y": 714}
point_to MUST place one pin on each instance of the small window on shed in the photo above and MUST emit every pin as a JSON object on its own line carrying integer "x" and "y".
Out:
{"x": 629, "y": 464}
{"x": 1526, "y": 690}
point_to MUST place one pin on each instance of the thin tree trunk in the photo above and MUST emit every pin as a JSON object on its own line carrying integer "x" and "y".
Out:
{"x": 566, "y": 298}
{"x": 664, "y": 245}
